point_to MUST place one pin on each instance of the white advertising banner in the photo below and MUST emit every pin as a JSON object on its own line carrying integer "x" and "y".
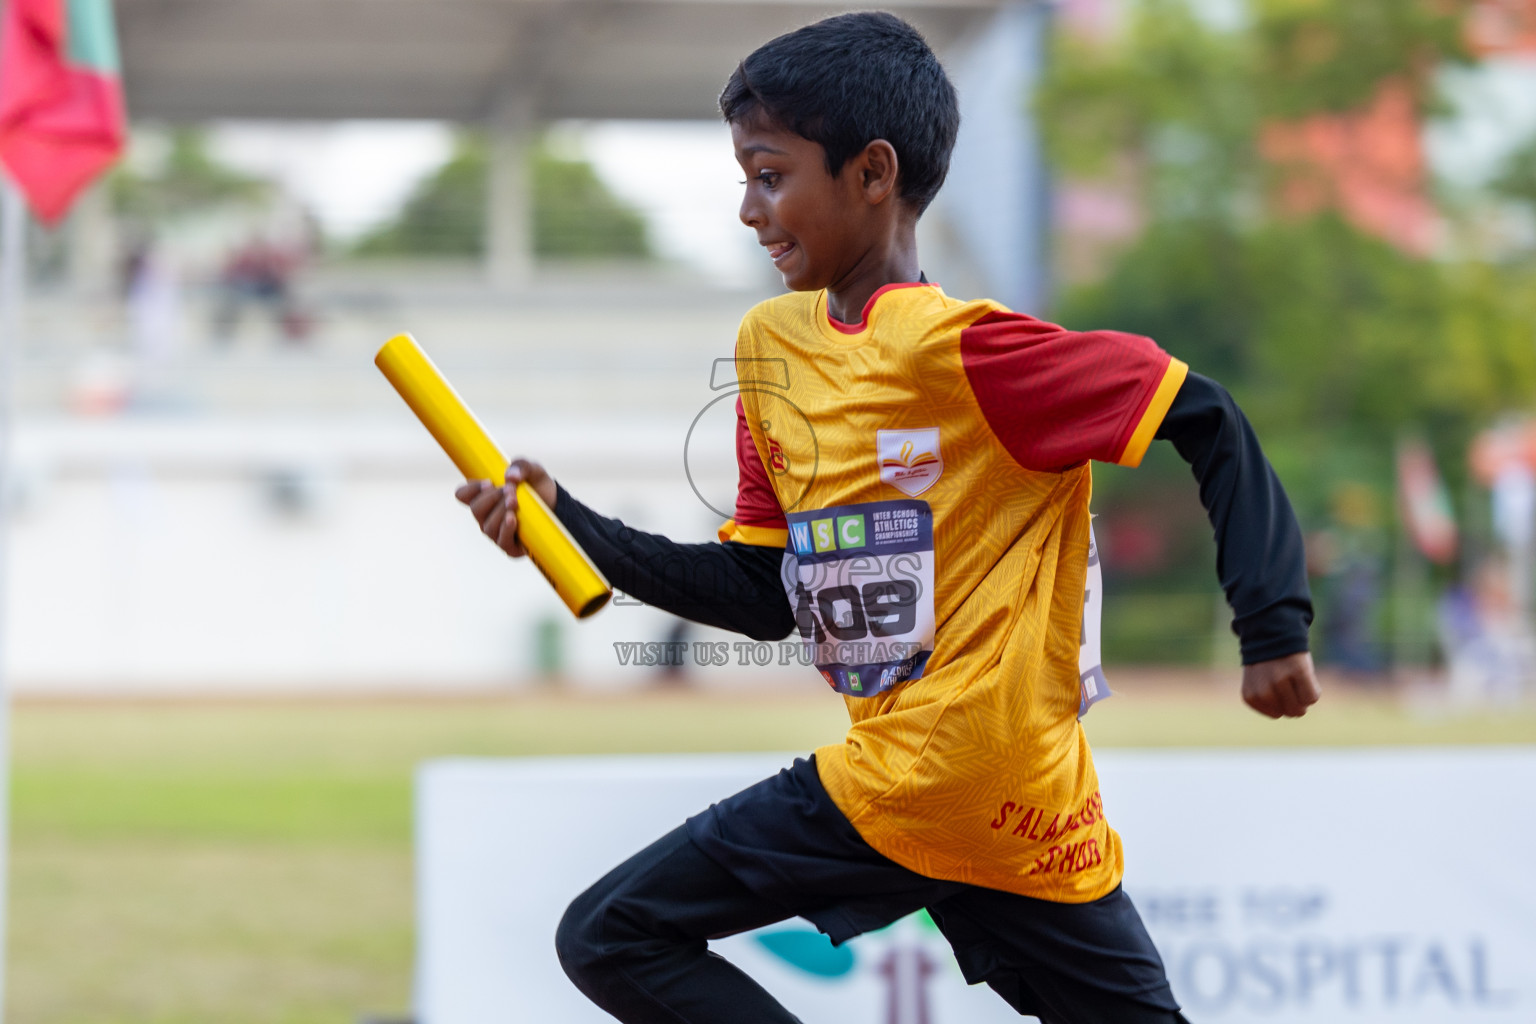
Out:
{"x": 1297, "y": 886}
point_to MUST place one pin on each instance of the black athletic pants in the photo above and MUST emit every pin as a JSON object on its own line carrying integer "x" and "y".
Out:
{"x": 636, "y": 942}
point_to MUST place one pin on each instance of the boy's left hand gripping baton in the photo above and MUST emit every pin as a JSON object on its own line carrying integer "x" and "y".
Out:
{"x": 448, "y": 419}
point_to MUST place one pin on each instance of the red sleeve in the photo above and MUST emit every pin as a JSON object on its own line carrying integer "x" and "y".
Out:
{"x": 1056, "y": 398}
{"x": 758, "y": 519}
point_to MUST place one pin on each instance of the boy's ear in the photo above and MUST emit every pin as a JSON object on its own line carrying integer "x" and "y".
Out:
{"x": 878, "y": 168}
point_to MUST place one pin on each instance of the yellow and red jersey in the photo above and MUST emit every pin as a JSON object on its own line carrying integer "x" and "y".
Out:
{"x": 926, "y": 474}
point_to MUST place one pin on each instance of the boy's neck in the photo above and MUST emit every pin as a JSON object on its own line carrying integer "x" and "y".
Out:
{"x": 895, "y": 262}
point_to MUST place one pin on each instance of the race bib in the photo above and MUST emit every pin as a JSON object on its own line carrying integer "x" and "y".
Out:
{"x": 1090, "y": 666}
{"x": 860, "y": 578}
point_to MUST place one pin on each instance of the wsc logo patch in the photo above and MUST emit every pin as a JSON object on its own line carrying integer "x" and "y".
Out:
{"x": 909, "y": 459}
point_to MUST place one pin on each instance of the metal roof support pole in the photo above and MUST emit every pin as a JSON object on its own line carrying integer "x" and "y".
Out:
{"x": 510, "y": 132}
{"x": 13, "y": 274}
{"x": 93, "y": 243}
{"x": 998, "y": 196}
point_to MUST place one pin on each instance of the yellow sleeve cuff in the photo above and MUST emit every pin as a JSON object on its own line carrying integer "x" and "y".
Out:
{"x": 761, "y": 536}
{"x": 1141, "y": 439}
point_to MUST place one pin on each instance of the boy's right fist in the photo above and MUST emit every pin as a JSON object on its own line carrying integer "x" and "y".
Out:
{"x": 495, "y": 508}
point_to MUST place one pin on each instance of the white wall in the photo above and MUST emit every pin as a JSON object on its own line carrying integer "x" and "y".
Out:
{"x": 152, "y": 555}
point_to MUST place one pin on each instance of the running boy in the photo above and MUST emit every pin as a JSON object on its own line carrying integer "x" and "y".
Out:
{"x": 913, "y": 499}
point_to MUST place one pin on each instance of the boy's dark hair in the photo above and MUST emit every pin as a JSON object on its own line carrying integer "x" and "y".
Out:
{"x": 847, "y": 81}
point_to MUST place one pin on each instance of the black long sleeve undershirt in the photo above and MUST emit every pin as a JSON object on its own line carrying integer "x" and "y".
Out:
{"x": 1259, "y": 555}
{"x": 732, "y": 585}
{"x": 1260, "y": 560}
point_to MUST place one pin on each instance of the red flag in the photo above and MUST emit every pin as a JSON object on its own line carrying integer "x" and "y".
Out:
{"x": 1425, "y": 503}
{"x": 62, "y": 118}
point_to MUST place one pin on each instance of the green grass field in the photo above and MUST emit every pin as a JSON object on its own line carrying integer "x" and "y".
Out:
{"x": 251, "y": 861}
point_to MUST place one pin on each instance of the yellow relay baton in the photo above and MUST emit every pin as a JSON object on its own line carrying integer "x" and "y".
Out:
{"x": 448, "y": 419}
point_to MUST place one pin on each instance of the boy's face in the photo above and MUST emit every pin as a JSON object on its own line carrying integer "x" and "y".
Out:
{"x": 816, "y": 226}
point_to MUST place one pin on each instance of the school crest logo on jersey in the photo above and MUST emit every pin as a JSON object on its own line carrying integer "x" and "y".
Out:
{"x": 909, "y": 459}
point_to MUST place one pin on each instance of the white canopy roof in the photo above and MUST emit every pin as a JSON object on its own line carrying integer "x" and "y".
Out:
{"x": 461, "y": 59}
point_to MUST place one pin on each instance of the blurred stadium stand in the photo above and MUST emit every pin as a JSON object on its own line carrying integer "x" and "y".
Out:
{"x": 260, "y": 511}
{"x": 506, "y": 64}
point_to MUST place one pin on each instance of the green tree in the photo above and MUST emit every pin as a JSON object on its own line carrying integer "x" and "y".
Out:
{"x": 1517, "y": 178}
{"x": 1334, "y": 341}
{"x": 190, "y": 180}
{"x": 574, "y": 214}
{"x": 443, "y": 216}
{"x": 1185, "y": 101}
{"x": 1332, "y": 55}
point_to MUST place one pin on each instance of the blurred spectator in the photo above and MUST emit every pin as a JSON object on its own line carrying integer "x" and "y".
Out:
{"x": 1349, "y": 629}
{"x": 1489, "y": 648}
{"x": 261, "y": 273}
{"x": 1348, "y": 558}
{"x": 674, "y": 669}
{"x": 153, "y": 295}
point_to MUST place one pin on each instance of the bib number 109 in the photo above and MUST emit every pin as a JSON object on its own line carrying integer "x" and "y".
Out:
{"x": 860, "y": 578}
